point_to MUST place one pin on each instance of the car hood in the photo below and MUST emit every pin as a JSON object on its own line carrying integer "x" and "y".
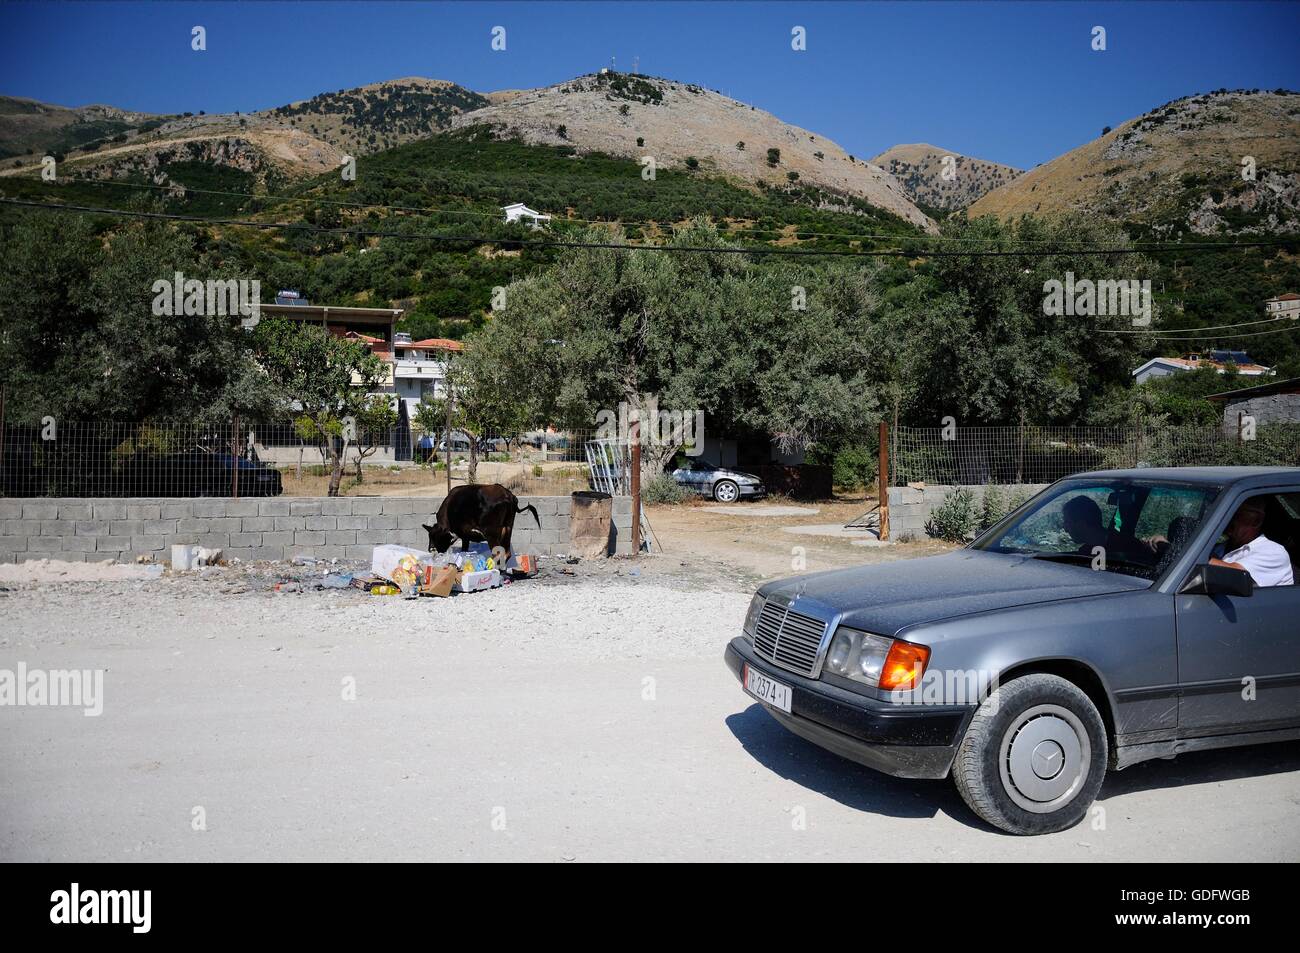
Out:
{"x": 735, "y": 474}
{"x": 885, "y": 598}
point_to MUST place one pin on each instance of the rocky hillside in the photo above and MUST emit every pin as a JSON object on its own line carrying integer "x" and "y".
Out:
{"x": 687, "y": 126}
{"x": 1178, "y": 168}
{"x": 944, "y": 186}
{"x": 379, "y": 116}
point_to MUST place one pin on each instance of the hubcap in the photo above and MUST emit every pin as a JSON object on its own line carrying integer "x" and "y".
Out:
{"x": 726, "y": 493}
{"x": 1045, "y": 758}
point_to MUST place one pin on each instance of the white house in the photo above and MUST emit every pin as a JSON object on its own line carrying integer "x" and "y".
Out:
{"x": 420, "y": 368}
{"x": 1283, "y": 306}
{"x": 519, "y": 211}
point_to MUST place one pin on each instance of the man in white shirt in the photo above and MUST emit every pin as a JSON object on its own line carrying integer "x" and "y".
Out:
{"x": 1248, "y": 548}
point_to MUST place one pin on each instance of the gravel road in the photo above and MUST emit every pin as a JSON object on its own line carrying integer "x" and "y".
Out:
{"x": 568, "y": 718}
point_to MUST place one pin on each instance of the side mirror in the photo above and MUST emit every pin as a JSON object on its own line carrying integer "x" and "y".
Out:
{"x": 1212, "y": 580}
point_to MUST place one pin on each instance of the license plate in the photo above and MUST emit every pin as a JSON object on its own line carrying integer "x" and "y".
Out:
{"x": 766, "y": 690}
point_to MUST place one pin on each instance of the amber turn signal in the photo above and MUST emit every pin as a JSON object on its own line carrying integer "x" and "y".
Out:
{"x": 904, "y": 666}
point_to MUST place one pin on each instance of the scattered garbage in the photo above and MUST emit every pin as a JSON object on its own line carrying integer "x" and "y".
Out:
{"x": 336, "y": 580}
{"x": 288, "y": 585}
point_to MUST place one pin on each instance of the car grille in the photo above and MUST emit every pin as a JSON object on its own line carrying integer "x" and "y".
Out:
{"x": 789, "y": 639}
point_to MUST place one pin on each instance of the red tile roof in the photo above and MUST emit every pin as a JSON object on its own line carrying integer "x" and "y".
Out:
{"x": 434, "y": 344}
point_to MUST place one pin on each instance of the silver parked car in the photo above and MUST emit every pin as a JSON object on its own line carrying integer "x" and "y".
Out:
{"x": 1091, "y": 629}
{"x": 720, "y": 483}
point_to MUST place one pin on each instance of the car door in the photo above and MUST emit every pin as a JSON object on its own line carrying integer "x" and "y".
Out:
{"x": 1239, "y": 656}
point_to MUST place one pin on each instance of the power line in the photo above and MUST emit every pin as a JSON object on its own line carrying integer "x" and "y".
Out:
{"x": 1218, "y": 327}
{"x": 621, "y": 246}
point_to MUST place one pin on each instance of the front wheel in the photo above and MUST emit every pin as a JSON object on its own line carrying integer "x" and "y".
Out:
{"x": 1034, "y": 756}
{"x": 725, "y": 491}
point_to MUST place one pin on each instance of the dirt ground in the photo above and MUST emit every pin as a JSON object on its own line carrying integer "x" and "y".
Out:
{"x": 582, "y": 715}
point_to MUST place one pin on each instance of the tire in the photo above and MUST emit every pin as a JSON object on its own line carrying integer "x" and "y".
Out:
{"x": 726, "y": 491}
{"x": 1004, "y": 762}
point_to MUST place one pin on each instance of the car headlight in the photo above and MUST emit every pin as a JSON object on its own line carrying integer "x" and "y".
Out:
{"x": 751, "y": 617}
{"x": 889, "y": 664}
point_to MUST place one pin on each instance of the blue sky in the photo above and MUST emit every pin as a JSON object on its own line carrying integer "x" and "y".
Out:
{"x": 1011, "y": 82}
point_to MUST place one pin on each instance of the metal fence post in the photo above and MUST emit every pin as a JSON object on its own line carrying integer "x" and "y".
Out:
{"x": 883, "y": 480}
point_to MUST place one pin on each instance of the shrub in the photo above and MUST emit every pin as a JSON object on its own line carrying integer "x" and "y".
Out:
{"x": 662, "y": 489}
{"x": 854, "y": 466}
{"x": 954, "y": 518}
{"x": 537, "y": 469}
{"x": 773, "y": 156}
{"x": 992, "y": 507}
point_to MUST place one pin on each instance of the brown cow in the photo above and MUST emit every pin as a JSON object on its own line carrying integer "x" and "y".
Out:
{"x": 478, "y": 512}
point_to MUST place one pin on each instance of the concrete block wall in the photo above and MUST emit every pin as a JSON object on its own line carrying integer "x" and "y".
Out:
{"x": 909, "y": 507}
{"x": 80, "y": 530}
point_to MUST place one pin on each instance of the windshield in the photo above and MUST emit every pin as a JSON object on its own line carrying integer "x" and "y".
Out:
{"x": 1126, "y": 526}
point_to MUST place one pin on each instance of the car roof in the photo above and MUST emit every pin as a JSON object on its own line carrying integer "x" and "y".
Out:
{"x": 1211, "y": 476}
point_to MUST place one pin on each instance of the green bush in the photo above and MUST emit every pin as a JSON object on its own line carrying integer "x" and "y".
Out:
{"x": 854, "y": 466}
{"x": 993, "y": 507}
{"x": 954, "y": 518}
{"x": 662, "y": 489}
{"x": 537, "y": 469}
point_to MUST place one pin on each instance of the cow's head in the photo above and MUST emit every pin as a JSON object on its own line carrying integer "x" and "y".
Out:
{"x": 440, "y": 539}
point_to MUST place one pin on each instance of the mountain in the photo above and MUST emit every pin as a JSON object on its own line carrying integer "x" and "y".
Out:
{"x": 682, "y": 125}
{"x": 921, "y": 167}
{"x": 28, "y": 126}
{"x": 1177, "y": 168}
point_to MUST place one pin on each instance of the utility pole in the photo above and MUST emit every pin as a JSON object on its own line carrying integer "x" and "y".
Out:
{"x": 636, "y": 485}
{"x": 448, "y": 389}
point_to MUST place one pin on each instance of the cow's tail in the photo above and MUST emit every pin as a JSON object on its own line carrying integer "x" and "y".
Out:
{"x": 529, "y": 508}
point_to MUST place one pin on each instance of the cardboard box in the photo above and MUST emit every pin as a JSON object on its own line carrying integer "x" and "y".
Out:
{"x": 439, "y": 581}
{"x": 522, "y": 564}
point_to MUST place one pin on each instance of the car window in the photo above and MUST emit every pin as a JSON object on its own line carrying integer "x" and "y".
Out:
{"x": 1124, "y": 525}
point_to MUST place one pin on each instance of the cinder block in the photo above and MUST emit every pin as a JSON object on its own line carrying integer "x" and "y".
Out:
{"x": 40, "y": 511}
{"x": 177, "y": 510}
{"x": 144, "y": 511}
{"x": 341, "y": 537}
{"x": 413, "y": 520}
{"x": 44, "y": 544}
{"x": 374, "y": 537}
{"x": 329, "y": 552}
{"x": 336, "y": 506}
{"x": 23, "y": 528}
{"x": 92, "y": 528}
{"x": 308, "y": 538}
{"x": 214, "y": 540}
{"x": 209, "y": 509}
{"x": 11, "y": 509}
{"x": 160, "y": 527}
{"x": 416, "y": 539}
{"x": 193, "y": 526}
{"x": 304, "y": 507}
{"x": 289, "y": 522}
{"x": 253, "y": 553}
{"x": 359, "y": 551}
{"x": 273, "y": 507}
{"x": 126, "y": 527}
{"x": 367, "y": 506}
{"x": 280, "y": 539}
{"x": 353, "y": 522}
{"x": 225, "y": 524}
{"x": 257, "y": 524}
{"x": 78, "y": 544}
{"x": 109, "y": 510}
{"x": 15, "y": 544}
{"x": 319, "y": 522}
{"x": 71, "y": 510}
{"x": 245, "y": 540}
{"x": 396, "y": 506}
{"x": 242, "y": 507}
{"x": 383, "y": 522}
{"x": 72, "y": 557}
{"x": 146, "y": 544}
{"x": 57, "y": 527}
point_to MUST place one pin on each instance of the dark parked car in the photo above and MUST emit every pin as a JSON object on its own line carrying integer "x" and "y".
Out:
{"x": 200, "y": 473}
{"x": 719, "y": 483}
{"x": 1053, "y": 648}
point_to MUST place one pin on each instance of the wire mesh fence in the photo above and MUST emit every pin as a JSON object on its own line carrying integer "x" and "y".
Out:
{"x": 1031, "y": 454}
{"x": 270, "y": 458}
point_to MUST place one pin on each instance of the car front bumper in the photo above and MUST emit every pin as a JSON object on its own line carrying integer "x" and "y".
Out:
{"x": 752, "y": 491}
{"x": 906, "y": 741}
